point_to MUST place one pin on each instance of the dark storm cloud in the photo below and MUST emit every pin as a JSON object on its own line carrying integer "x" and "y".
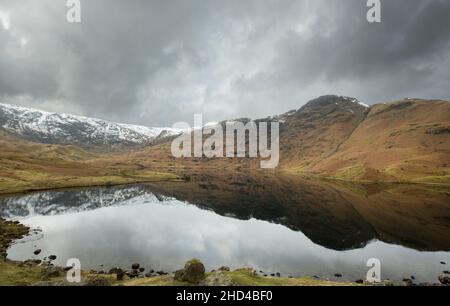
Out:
{"x": 156, "y": 62}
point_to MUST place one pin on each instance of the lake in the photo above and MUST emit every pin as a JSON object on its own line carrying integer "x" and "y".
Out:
{"x": 272, "y": 223}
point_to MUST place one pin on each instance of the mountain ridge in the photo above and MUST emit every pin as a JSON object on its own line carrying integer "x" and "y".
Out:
{"x": 61, "y": 128}
{"x": 404, "y": 141}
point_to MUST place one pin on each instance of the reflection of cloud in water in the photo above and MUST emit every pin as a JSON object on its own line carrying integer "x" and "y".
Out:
{"x": 164, "y": 235}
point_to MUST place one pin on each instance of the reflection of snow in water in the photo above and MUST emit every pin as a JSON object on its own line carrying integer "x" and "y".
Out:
{"x": 63, "y": 202}
{"x": 163, "y": 235}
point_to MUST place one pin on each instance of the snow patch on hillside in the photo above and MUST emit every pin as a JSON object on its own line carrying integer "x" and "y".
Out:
{"x": 63, "y": 128}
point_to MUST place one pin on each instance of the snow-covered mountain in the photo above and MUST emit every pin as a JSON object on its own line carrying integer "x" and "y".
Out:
{"x": 54, "y": 128}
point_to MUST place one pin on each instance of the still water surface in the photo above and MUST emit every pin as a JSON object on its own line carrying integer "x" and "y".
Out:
{"x": 313, "y": 228}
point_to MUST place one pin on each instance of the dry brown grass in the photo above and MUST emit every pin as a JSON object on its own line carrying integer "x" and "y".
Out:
{"x": 28, "y": 166}
{"x": 396, "y": 143}
{"x": 404, "y": 141}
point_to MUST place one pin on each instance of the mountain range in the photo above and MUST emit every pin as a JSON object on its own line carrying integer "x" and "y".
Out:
{"x": 54, "y": 128}
{"x": 332, "y": 136}
{"x": 341, "y": 138}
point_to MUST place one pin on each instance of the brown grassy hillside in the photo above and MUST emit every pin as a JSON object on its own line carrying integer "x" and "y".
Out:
{"x": 26, "y": 166}
{"x": 406, "y": 140}
{"x": 317, "y": 130}
{"x": 402, "y": 141}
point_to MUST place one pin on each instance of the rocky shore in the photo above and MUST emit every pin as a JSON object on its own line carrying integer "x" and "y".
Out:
{"x": 10, "y": 231}
{"x": 44, "y": 272}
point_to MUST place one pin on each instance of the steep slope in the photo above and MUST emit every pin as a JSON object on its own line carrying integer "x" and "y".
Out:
{"x": 316, "y": 130}
{"x": 407, "y": 140}
{"x": 333, "y": 136}
{"x": 53, "y": 128}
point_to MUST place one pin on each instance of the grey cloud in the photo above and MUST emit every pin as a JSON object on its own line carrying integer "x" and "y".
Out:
{"x": 157, "y": 62}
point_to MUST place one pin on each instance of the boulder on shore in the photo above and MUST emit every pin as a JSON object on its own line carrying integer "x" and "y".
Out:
{"x": 193, "y": 272}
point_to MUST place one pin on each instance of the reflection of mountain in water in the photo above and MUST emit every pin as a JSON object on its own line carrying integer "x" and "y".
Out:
{"x": 335, "y": 216}
{"x": 70, "y": 201}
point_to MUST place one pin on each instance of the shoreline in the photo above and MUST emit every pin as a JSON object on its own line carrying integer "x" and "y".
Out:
{"x": 36, "y": 268}
{"x": 38, "y": 272}
{"x": 63, "y": 184}
{"x": 364, "y": 182}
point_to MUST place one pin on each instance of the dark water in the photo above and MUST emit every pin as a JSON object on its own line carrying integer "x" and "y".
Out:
{"x": 275, "y": 224}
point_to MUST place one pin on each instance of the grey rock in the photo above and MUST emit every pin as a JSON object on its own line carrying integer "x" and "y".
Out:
{"x": 218, "y": 278}
{"x": 193, "y": 272}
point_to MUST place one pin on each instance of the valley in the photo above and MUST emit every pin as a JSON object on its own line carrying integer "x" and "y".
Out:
{"x": 350, "y": 178}
{"x": 333, "y": 137}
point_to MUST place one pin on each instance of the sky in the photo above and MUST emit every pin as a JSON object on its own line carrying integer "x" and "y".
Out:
{"x": 158, "y": 62}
